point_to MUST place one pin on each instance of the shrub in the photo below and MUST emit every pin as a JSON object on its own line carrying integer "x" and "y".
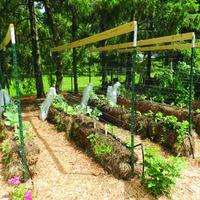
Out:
{"x": 160, "y": 173}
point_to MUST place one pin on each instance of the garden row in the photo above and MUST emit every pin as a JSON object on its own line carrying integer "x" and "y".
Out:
{"x": 91, "y": 135}
{"x": 160, "y": 173}
{"x": 166, "y": 130}
{"x": 10, "y": 145}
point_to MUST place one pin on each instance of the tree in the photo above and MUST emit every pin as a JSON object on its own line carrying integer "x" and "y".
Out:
{"x": 35, "y": 50}
{"x": 56, "y": 39}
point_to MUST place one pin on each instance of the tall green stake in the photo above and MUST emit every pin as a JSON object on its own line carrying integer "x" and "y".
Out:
{"x": 191, "y": 87}
{"x": 16, "y": 74}
{"x": 134, "y": 54}
{"x": 51, "y": 70}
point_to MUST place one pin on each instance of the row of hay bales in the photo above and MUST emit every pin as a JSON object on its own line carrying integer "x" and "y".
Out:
{"x": 181, "y": 114}
{"x": 80, "y": 128}
{"x": 10, "y": 148}
{"x": 146, "y": 127}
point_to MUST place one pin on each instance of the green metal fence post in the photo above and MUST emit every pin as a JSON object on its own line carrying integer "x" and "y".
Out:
{"x": 51, "y": 70}
{"x": 134, "y": 54}
{"x": 89, "y": 74}
{"x": 16, "y": 74}
{"x": 191, "y": 88}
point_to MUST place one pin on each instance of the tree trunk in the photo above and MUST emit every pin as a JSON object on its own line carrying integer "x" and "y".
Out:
{"x": 74, "y": 56}
{"x": 149, "y": 65}
{"x": 103, "y": 68}
{"x": 56, "y": 39}
{"x": 103, "y": 55}
{"x": 35, "y": 50}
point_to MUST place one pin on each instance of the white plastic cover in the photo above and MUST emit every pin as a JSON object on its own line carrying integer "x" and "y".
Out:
{"x": 112, "y": 93}
{"x": 86, "y": 94}
{"x": 44, "y": 108}
{"x": 4, "y": 99}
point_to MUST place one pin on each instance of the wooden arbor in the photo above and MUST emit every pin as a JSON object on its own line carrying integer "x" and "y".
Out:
{"x": 154, "y": 44}
{"x": 120, "y": 30}
{"x": 160, "y": 44}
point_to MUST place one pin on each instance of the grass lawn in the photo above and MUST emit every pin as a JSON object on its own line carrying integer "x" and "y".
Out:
{"x": 27, "y": 86}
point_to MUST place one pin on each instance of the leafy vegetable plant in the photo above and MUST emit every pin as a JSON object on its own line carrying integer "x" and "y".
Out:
{"x": 99, "y": 145}
{"x": 160, "y": 173}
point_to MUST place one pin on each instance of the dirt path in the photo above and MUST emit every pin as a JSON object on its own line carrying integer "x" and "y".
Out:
{"x": 65, "y": 172}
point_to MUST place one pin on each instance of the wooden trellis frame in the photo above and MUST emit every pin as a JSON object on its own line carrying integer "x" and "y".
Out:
{"x": 9, "y": 36}
{"x": 147, "y": 42}
{"x": 162, "y": 47}
{"x": 120, "y": 30}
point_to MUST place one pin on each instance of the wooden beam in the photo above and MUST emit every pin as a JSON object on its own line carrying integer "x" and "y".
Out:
{"x": 165, "y": 39}
{"x": 7, "y": 38}
{"x": 197, "y": 45}
{"x": 159, "y": 48}
{"x": 120, "y": 30}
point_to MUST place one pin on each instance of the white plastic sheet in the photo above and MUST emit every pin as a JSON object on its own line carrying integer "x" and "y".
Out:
{"x": 112, "y": 93}
{"x": 86, "y": 94}
{"x": 4, "y": 99}
{"x": 44, "y": 108}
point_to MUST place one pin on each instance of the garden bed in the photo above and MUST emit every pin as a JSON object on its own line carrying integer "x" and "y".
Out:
{"x": 181, "y": 114}
{"x": 90, "y": 135}
{"x": 11, "y": 157}
{"x": 148, "y": 126}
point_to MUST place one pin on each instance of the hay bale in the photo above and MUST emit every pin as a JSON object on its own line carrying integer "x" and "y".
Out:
{"x": 14, "y": 166}
{"x": 117, "y": 162}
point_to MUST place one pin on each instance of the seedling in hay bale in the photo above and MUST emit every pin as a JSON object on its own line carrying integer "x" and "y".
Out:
{"x": 160, "y": 173}
{"x": 99, "y": 145}
{"x": 59, "y": 122}
{"x": 5, "y": 148}
{"x": 2, "y": 135}
{"x": 168, "y": 123}
{"x": 197, "y": 111}
{"x": 112, "y": 129}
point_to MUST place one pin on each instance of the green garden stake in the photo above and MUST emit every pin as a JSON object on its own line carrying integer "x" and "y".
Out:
{"x": 16, "y": 74}
{"x": 134, "y": 54}
{"x": 51, "y": 70}
{"x": 191, "y": 87}
{"x": 89, "y": 74}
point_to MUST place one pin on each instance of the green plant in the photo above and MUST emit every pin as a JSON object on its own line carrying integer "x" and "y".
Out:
{"x": 61, "y": 105}
{"x": 11, "y": 116}
{"x": 171, "y": 122}
{"x": 160, "y": 173}
{"x": 58, "y": 122}
{"x": 112, "y": 129}
{"x": 2, "y": 135}
{"x": 5, "y": 148}
{"x": 26, "y": 128}
{"x": 99, "y": 145}
{"x": 197, "y": 111}
{"x": 18, "y": 193}
{"x": 149, "y": 114}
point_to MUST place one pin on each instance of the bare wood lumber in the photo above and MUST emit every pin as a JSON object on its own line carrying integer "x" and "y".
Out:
{"x": 165, "y": 39}
{"x": 123, "y": 29}
{"x": 7, "y": 38}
